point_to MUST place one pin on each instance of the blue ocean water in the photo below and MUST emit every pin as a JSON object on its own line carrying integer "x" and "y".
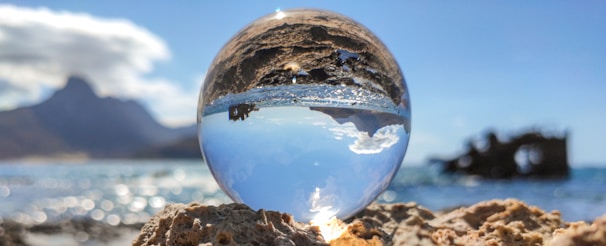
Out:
{"x": 580, "y": 197}
{"x": 127, "y": 191}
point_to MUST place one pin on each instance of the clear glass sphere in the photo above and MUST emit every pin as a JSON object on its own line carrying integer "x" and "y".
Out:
{"x": 305, "y": 112}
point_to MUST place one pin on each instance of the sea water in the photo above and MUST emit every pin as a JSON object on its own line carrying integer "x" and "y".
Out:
{"x": 307, "y": 161}
{"x": 130, "y": 191}
{"x": 109, "y": 191}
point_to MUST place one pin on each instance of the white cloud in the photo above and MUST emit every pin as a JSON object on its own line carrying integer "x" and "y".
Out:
{"x": 39, "y": 48}
{"x": 384, "y": 138}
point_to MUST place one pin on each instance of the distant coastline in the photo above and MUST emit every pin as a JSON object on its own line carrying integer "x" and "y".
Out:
{"x": 74, "y": 123}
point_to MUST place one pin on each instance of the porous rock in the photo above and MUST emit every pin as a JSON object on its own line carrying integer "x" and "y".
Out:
{"x": 270, "y": 51}
{"x": 581, "y": 233}
{"x": 494, "y": 222}
{"x": 228, "y": 224}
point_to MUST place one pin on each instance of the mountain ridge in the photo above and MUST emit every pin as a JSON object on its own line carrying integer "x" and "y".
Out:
{"x": 74, "y": 120}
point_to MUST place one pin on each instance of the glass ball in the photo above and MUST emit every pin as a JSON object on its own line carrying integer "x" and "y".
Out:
{"x": 305, "y": 112}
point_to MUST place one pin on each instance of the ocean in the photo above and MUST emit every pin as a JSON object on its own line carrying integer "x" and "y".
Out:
{"x": 130, "y": 191}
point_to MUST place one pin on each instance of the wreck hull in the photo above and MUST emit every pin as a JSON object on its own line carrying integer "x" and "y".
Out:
{"x": 528, "y": 155}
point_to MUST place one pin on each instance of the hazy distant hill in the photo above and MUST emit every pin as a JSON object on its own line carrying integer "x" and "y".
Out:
{"x": 74, "y": 120}
{"x": 182, "y": 148}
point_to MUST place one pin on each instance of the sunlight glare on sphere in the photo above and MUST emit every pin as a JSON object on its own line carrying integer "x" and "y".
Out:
{"x": 305, "y": 112}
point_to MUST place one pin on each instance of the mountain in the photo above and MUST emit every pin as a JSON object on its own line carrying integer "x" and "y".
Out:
{"x": 364, "y": 120}
{"x": 74, "y": 120}
{"x": 186, "y": 148}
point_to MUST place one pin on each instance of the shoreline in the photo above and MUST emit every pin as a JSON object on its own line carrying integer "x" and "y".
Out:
{"x": 66, "y": 232}
{"x": 493, "y": 222}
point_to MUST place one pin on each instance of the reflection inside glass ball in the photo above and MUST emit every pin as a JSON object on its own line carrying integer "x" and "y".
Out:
{"x": 305, "y": 112}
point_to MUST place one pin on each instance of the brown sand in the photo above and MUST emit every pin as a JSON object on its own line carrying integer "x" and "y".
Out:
{"x": 495, "y": 222}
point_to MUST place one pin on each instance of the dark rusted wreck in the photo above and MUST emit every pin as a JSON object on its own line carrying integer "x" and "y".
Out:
{"x": 241, "y": 111}
{"x": 530, "y": 154}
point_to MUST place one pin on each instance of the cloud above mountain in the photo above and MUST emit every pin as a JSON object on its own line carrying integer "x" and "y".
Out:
{"x": 384, "y": 138}
{"x": 40, "y": 48}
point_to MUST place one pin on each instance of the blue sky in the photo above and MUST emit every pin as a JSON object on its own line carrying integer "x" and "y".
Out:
{"x": 469, "y": 65}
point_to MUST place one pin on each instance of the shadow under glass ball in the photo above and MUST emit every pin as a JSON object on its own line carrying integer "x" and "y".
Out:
{"x": 306, "y": 112}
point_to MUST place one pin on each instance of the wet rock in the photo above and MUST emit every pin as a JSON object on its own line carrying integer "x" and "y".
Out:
{"x": 11, "y": 233}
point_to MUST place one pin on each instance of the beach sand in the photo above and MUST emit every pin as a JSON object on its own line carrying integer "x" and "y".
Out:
{"x": 494, "y": 222}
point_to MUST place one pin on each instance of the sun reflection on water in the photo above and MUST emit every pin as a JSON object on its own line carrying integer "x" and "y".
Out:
{"x": 110, "y": 194}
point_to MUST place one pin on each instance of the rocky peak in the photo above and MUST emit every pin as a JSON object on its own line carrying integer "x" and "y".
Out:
{"x": 74, "y": 120}
{"x": 76, "y": 89}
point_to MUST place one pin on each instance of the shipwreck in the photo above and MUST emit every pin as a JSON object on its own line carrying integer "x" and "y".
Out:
{"x": 530, "y": 154}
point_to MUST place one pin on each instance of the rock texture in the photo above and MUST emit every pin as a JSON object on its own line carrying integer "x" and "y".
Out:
{"x": 495, "y": 222}
{"x": 306, "y": 46}
{"x": 231, "y": 224}
{"x": 581, "y": 233}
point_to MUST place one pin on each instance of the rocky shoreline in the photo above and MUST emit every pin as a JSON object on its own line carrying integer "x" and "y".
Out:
{"x": 68, "y": 232}
{"x": 494, "y": 222}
